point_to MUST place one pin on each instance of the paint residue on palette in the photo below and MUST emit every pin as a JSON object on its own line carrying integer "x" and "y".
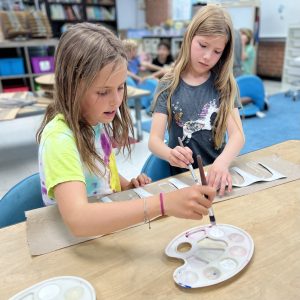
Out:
{"x": 214, "y": 254}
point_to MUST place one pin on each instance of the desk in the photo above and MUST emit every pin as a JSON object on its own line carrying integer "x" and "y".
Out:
{"x": 40, "y": 108}
{"x": 136, "y": 94}
{"x": 131, "y": 264}
{"x": 47, "y": 83}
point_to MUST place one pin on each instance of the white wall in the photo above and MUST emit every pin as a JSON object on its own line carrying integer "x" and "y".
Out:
{"x": 276, "y": 15}
{"x": 130, "y": 14}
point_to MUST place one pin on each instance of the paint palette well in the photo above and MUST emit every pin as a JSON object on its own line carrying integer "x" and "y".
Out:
{"x": 62, "y": 288}
{"x": 211, "y": 254}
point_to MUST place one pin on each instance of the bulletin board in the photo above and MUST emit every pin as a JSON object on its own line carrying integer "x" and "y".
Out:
{"x": 276, "y": 16}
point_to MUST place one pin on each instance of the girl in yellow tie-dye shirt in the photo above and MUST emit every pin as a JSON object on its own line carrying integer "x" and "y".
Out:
{"x": 75, "y": 154}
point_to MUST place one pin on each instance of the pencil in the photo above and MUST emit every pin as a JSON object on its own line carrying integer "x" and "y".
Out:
{"x": 203, "y": 181}
{"x": 189, "y": 165}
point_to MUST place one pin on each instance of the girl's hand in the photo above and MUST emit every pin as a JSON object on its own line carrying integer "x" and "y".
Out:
{"x": 141, "y": 180}
{"x": 219, "y": 177}
{"x": 190, "y": 202}
{"x": 180, "y": 157}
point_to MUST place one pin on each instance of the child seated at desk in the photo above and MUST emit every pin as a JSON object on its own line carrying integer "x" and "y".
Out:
{"x": 76, "y": 159}
{"x": 135, "y": 65}
{"x": 164, "y": 59}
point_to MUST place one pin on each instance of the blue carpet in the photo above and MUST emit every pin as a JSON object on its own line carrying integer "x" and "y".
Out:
{"x": 281, "y": 123}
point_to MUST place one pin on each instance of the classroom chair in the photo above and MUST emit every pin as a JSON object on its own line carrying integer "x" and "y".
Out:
{"x": 252, "y": 86}
{"x": 156, "y": 168}
{"x": 147, "y": 84}
{"x": 25, "y": 195}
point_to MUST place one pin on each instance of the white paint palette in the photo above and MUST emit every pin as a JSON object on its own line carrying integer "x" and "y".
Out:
{"x": 58, "y": 288}
{"x": 211, "y": 254}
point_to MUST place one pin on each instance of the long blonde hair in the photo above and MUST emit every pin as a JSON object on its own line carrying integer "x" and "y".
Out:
{"x": 83, "y": 50}
{"x": 209, "y": 20}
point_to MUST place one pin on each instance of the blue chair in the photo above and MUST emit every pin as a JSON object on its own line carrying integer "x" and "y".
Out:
{"x": 252, "y": 86}
{"x": 156, "y": 168}
{"x": 25, "y": 195}
{"x": 149, "y": 85}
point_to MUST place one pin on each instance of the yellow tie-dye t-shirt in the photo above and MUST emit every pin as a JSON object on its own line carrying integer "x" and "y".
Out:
{"x": 60, "y": 161}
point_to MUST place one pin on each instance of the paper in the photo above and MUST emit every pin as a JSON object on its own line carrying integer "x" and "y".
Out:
{"x": 46, "y": 231}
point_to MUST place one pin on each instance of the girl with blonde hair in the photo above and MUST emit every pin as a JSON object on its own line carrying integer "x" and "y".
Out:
{"x": 197, "y": 99}
{"x": 76, "y": 159}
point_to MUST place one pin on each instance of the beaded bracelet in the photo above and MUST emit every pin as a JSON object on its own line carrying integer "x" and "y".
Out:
{"x": 146, "y": 217}
{"x": 161, "y": 199}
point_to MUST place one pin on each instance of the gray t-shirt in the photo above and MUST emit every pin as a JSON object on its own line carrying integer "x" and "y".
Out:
{"x": 194, "y": 110}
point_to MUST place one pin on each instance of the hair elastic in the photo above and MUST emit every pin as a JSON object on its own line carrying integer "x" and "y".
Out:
{"x": 161, "y": 199}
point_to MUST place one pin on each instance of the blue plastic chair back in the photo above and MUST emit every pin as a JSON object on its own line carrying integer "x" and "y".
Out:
{"x": 251, "y": 86}
{"x": 130, "y": 81}
{"x": 156, "y": 168}
{"x": 25, "y": 195}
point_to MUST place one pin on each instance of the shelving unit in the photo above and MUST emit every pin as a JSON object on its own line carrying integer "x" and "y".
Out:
{"x": 61, "y": 12}
{"x": 22, "y": 49}
{"x": 291, "y": 68}
{"x": 151, "y": 42}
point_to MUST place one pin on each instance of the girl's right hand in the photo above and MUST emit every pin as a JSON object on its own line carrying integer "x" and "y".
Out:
{"x": 190, "y": 202}
{"x": 180, "y": 157}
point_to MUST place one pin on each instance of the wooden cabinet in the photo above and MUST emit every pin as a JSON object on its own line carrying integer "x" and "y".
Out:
{"x": 61, "y": 12}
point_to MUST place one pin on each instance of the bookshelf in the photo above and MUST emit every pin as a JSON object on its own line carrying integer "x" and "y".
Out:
{"x": 61, "y": 12}
{"x": 24, "y": 50}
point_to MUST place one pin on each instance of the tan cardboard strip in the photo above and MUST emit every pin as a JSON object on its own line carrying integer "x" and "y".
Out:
{"x": 46, "y": 231}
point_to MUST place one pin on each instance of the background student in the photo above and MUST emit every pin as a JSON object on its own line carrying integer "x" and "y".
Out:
{"x": 76, "y": 159}
{"x": 164, "y": 58}
{"x": 197, "y": 101}
{"x": 248, "y": 52}
{"x": 135, "y": 65}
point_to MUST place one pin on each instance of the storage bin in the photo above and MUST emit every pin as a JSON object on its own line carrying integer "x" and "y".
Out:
{"x": 42, "y": 64}
{"x": 15, "y": 88}
{"x": 11, "y": 66}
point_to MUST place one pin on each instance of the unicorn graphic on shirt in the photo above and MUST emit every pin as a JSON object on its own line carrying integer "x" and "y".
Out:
{"x": 204, "y": 121}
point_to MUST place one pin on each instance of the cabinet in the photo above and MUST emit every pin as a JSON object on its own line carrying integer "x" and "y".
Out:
{"x": 61, "y": 12}
{"x": 291, "y": 67}
{"x": 24, "y": 50}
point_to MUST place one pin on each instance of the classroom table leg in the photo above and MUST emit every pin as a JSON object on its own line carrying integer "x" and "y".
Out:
{"x": 138, "y": 119}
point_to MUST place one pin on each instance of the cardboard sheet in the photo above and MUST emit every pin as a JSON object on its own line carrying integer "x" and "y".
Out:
{"x": 46, "y": 231}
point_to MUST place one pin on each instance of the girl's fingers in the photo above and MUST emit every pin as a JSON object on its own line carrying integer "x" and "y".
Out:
{"x": 135, "y": 183}
{"x": 223, "y": 183}
{"x": 229, "y": 182}
{"x": 144, "y": 179}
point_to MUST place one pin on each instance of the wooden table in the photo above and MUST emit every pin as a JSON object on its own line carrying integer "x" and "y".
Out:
{"x": 132, "y": 265}
{"x": 40, "y": 107}
{"x": 136, "y": 94}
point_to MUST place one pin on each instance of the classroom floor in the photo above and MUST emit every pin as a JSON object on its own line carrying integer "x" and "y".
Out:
{"x": 18, "y": 149}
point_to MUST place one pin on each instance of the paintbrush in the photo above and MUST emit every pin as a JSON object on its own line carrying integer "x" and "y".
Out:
{"x": 189, "y": 165}
{"x": 203, "y": 181}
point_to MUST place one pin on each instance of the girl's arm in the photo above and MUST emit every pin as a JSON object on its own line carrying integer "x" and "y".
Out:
{"x": 91, "y": 219}
{"x": 179, "y": 156}
{"x": 133, "y": 76}
{"x": 150, "y": 66}
{"x": 219, "y": 176}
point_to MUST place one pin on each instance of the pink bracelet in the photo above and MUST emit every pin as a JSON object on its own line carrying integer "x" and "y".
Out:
{"x": 161, "y": 199}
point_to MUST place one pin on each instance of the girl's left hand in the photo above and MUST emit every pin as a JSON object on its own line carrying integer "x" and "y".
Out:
{"x": 219, "y": 177}
{"x": 141, "y": 180}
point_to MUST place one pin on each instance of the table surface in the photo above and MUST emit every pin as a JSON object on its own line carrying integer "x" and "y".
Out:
{"x": 131, "y": 264}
